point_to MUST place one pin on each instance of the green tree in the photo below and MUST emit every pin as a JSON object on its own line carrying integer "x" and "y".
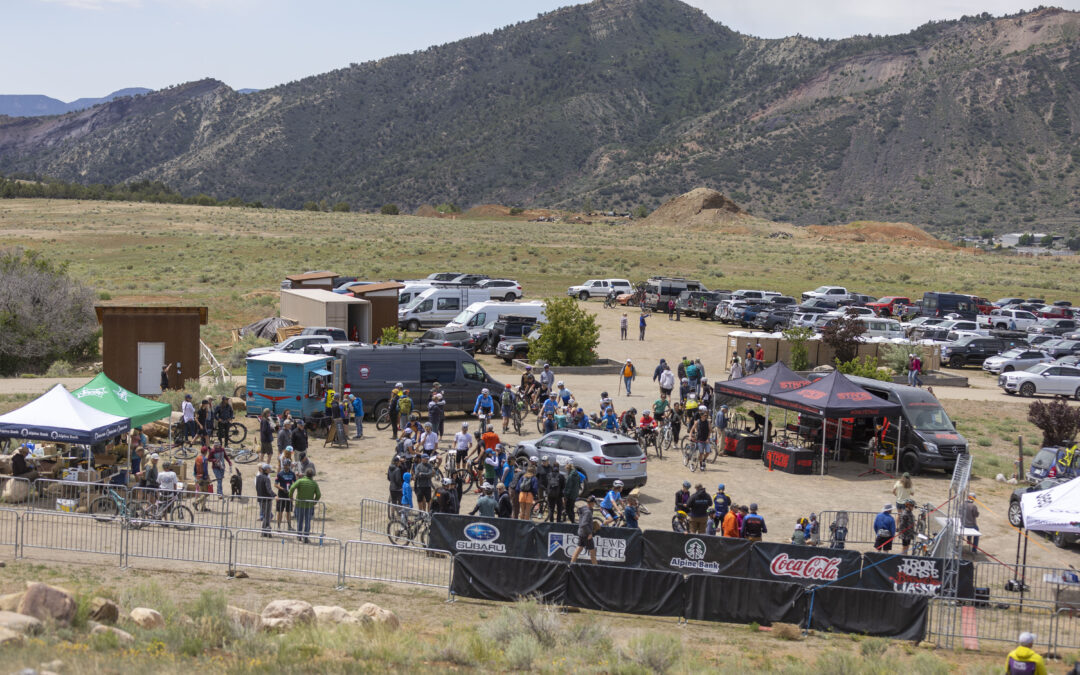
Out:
{"x": 1058, "y": 421}
{"x": 640, "y": 212}
{"x": 389, "y": 210}
{"x": 569, "y": 336}
{"x": 843, "y": 336}
{"x": 1026, "y": 240}
{"x": 796, "y": 337}
{"x": 341, "y": 207}
{"x": 311, "y": 206}
{"x": 864, "y": 366}
{"x": 1047, "y": 241}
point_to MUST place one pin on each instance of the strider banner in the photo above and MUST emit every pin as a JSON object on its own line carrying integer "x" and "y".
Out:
{"x": 806, "y": 565}
{"x": 614, "y": 545}
{"x": 695, "y": 554}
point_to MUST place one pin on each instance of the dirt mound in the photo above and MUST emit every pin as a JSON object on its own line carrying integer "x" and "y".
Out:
{"x": 427, "y": 211}
{"x": 702, "y": 208}
{"x": 487, "y": 211}
{"x": 904, "y": 234}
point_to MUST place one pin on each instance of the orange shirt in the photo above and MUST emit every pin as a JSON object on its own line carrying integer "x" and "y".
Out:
{"x": 490, "y": 439}
{"x": 730, "y": 526}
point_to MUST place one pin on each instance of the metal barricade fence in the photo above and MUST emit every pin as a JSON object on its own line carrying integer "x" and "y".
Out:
{"x": 50, "y": 494}
{"x": 154, "y": 539}
{"x": 383, "y": 519}
{"x": 1041, "y": 584}
{"x": 286, "y": 551}
{"x": 1066, "y": 631}
{"x": 9, "y": 531}
{"x": 398, "y": 564}
{"x": 860, "y": 526}
{"x": 76, "y": 532}
{"x": 243, "y": 512}
{"x": 998, "y": 624}
{"x": 15, "y": 491}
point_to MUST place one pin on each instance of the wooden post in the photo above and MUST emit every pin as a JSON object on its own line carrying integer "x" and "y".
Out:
{"x": 1020, "y": 458}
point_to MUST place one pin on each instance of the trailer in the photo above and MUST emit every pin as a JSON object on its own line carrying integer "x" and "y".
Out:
{"x": 284, "y": 381}
{"x": 312, "y": 307}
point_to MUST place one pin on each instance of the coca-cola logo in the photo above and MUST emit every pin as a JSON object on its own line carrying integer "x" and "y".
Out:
{"x": 819, "y": 567}
{"x": 812, "y": 394}
{"x": 853, "y": 396}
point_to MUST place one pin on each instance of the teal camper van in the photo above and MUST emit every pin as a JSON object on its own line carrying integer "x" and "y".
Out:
{"x": 284, "y": 381}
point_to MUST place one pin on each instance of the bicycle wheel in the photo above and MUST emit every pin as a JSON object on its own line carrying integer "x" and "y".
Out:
{"x": 181, "y": 517}
{"x": 665, "y": 441}
{"x": 437, "y": 475}
{"x": 139, "y": 514}
{"x": 685, "y": 456}
{"x": 184, "y": 451}
{"x": 517, "y": 422}
{"x": 103, "y": 509}
{"x": 237, "y": 433}
{"x": 398, "y": 533}
{"x": 383, "y": 423}
{"x": 679, "y": 524}
{"x": 245, "y": 455}
{"x": 179, "y": 433}
{"x": 422, "y": 534}
{"x": 468, "y": 478}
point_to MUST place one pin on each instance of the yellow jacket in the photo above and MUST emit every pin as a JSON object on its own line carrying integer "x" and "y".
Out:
{"x": 1022, "y": 659}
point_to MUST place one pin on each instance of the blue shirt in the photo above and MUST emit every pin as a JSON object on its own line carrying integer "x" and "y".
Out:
{"x": 630, "y": 513}
{"x": 583, "y": 423}
{"x": 549, "y": 406}
{"x": 484, "y": 402}
{"x": 610, "y": 499}
{"x": 564, "y": 394}
{"x": 358, "y": 407}
{"x": 610, "y": 421}
{"x": 884, "y": 521}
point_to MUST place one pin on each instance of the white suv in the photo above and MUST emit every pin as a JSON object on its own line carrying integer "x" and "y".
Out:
{"x": 599, "y": 288}
{"x": 1000, "y": 318}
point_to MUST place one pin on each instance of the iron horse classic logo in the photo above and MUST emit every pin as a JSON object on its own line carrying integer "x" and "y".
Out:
{"x": 481, "y": 538}
{"x": 695, "y": 558}
{"x": 917, "y": 576}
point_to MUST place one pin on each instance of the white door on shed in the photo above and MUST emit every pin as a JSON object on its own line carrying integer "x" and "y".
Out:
{"x": 151, "y": 359}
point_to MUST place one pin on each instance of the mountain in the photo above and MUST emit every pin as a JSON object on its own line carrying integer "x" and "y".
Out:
{"x": 963, "y": 126}
{"x": 30, "y": 105}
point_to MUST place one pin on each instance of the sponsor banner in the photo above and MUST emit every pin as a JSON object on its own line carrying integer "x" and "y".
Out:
{"x": 695, "y": 553}
{"x": 58, "y": 435}
{"x": 614, "y": 545}
{"x": 807, "y": 565}
{"x": 913, "y": 575}
{"x": 476, "y": 534}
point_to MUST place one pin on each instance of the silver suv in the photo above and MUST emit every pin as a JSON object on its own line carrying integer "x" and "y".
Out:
{"x": 603, "y": 456}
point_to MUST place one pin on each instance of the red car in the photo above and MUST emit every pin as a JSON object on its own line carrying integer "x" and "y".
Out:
{"x": 887, "y": 306}
{"x": 1055, "y": 312}
{"x": 982, "y": 304}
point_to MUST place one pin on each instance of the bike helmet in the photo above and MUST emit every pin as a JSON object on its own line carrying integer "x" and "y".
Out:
{"x": 545, "y": 458}
{"x": 551, "y": 395}
{"x": 560, "y": 384}
{"x": 464, "y": 425}
{"x": 399, "y": 385}
{"x": 528, "y": 367}
{"x": 485, "y": 391}
{"x": 446, "y": 481}
{"x": 618, "y": 484}
{"x": 720, "y": 487}
{"x": 534, "y": 459}
{"x": 646, "y": 414}
{"x": 603, "y": 395}
{"x": 686, "y": 484}
{"x": 508, "y": 385}
{"x": 486, "y": 487}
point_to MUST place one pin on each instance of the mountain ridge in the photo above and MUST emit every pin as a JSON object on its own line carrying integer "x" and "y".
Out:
{"x": 960, "y": 125}
{"x": 33, "y": 105}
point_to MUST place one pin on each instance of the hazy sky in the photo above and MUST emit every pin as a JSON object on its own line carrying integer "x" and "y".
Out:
{"x": 74, "y": 48}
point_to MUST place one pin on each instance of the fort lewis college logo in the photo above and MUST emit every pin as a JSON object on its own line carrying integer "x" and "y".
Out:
{"x": 695, "y": 558}
{"x": 481, "y": 538}
{"x": 608, "y": 549}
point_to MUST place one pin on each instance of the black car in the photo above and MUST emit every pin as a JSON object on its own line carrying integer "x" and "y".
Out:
{"x": 1063, "y": 348}
{"x": 448, "y": 337}
{"x": 515, "y": 348}
{"x": 703, "y": 303}
{"x": 508, "y": 327}
{"x": 1060, "y": 539}
{"x": 1054, "y": 326}
{"x": 971, "y": 350}
{"x": 772, "y": 321}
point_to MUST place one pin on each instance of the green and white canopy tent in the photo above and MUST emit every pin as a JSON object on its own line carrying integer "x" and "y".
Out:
{"x": 103, "y": 394}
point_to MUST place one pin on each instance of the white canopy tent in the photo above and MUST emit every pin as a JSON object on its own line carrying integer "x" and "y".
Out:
{"x": 1053, "y": 510}
{"x": 59, "y": 417}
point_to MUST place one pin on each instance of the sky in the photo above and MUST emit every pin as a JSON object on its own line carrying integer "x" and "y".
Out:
{"x": 69, "y": 49}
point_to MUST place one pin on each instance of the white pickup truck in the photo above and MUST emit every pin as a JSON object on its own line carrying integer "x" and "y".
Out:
{"x": 1001, "y": 319}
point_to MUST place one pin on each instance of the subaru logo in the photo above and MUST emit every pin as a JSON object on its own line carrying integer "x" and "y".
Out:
{"x": 481, "y": 532}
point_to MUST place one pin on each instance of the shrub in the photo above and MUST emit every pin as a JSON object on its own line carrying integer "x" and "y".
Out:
{"x": 522, "y": 651}
{"x": 797, "y": 337}
{"x": 341, "y": 207}
{"x": 786, "y": 631}
{"x": 843, "y": 336}
{"x": 895, "y": 356}
{"x": 389, "y": 210}
{"x": 516, "y": 211}
{"x": 657, "y": 652}
{"x": 568, "y": 338}
{"x": 391, "y": 336}
{"x": 864, "y": 366}
{"x": 1058, "y": 421}
{"x": 542, "y": 622}
{"x": 59, "y": 368}
{"x": 873, "y": 647}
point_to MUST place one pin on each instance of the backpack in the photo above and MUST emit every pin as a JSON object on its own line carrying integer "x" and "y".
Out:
{"x": 404, "y": 405}
{"x": 507, "y": 398}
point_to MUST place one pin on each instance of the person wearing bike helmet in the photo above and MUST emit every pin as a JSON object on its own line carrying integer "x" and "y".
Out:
{"x": 484, "y": 407}
{"x": 580, "y": 419}
{"x": 609, "y": 420}
{"x": 528, "y": 382}
{"x": 550, "y": 405}
{"x": 564, "y": 394}
{"x": 612, "y": 502}
{"x": 507, "y": 401}
{"x": 721, "y": 503}
{"x": 682, "y": 497}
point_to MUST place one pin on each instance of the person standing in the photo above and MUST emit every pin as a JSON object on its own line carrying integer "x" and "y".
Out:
{"x": 503, "y": 507}
{"x": 395, "y": 476}
{"x": 903, "y": 490}
{"x": 624, "y": 325}
{"x": 641, "y": 326}
{"x": 1023, "y": 660}
{"x": 507, "y": 402}
{"x": 223, "y": 416}
{"x": 729, "y": 526}
{"x": 437, "y": 413}
{"x": 266, "y": 435}
{"x": 759, "y": 357}
{"x": 748, "y": 360}
{"x": 462, "y": 443}
{"x": 736, "y": 371}
{"x": 659, "y": 370}
{"x": 392, "y": 409}
{"x": 721, "y": 503}
{"x": 299, "y": 438}
{"x": 202, "y": 479}
{"x": 753, "y": 525}
{"x": 284, "y": 440}
{"x": 667, "y": 381}
{"x": 218, "y": 458}
{"x": 914, "y": 368}
{"x": 547, "y": 379}
{"x": 306, "y": 493}
{"x": 486, "y": 504}
{"x": 571, "y": 489}
{"x": 670, "y": 310}
{"x": 357, "y": 404}
{"x": 906, "y": 525}
{"x": 266, "y": 497}
{"x": 187, "y": 413}
{"x": 585, "y": 532}
{"x": 699, "y": 504}
{"x": 556, "y": 484}
{"x": 527, "y": 489}
{"x": 884, "y": 529}
{"x": 699, "y": 434}
{"x": 165, "y": 376}
{"x": 404, "y": 408}
{"x": 422, "y": 474}
{"x": 284, "y": 481}
{"x": 628, "y": 374}
{"x": 969, "y": 516}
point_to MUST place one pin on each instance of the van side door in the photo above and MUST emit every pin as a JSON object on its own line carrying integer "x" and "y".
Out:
{"x": 441, "y": 369}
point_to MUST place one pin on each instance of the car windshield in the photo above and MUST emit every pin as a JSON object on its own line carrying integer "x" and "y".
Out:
{"x": 463, "y": 317}
{"x": 1012, "y": 354}
{"x": 1039, "y": 368}
{"x": 822, "y": 289}
{"x": 933, "y": 419}
{"x": 432, "y": 335}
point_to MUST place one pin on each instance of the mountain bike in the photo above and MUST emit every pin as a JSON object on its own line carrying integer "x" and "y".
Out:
{"x": 472, "y": 476}
{"x": 237, "y": 433}
{"x": 113, "y": 506}
{"x": 170, "y": 509}
{"x": 409, "y": 527}
{"x": 922, "y": 521}
{"x": 382, "y": 422}
{"x": 680, "y": 522}
{"x": 665, "y": 437}
{"x": 243, "y": 455}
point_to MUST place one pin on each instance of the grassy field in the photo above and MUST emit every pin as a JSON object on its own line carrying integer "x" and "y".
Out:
{"x": 233, "y": 259}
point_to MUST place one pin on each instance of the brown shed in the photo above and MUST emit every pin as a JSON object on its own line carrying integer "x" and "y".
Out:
{"x": 383, "y": 297}
{"x": 313, "y": 280}
{"x": 137, "y": 341}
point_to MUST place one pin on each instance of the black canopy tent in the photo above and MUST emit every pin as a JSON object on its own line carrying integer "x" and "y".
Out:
{"x": 834, "y": 397}
{"x": 763, "y": 387}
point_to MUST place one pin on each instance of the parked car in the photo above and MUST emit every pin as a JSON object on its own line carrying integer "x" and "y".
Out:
{"x": 504, "y": 289}
{"x": 1044, "y": 378}
{"x": 294, "y": 344}
{"x": 1054, "y": 326}
{"x": 337, "y": 334}
{"x": 971, "y": 350}
{"x": 1056, "y": 312}
{"x": 448, "y": 337}
{"x": 1002, "y": 318}
{"x": 826, "y": 292}
{"x": 773, "y": 320}
{"x": 751, "y": 295}
{"x": 936, "y": 303}
{"x": 806, "y": 316}
{"x": 889, "y": 305}
{"x": 602, "y": 456}
{"x": 1018, "y": 358}
{"x": 660, "y": 290}
{"x": 1063, "y": 348}
{"x": 703, "y": 303}
{"x": 509, "y": 349}
{"x": 688, "y": 304}
{"x": 731, "y": 310}
{"x": 599, "y": 288}
{"x": 1060, "y": 539}
{"x": 982, "y": 305}
{"x": 819, "y": 303}
{"x": 910, "y": 326}
{"x": 507, "y": 327}
{"x": 858, "y": 299}
{"x": 940, "y": 332}
{"x": 437, "y": 306}
{"x": 1005, "y": 302}
{"x": 1039, "y": 339}
{"x": 1053, "y": 462}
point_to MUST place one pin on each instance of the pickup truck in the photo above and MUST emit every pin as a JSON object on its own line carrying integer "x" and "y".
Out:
{"x": 827, "y": 292}
{"x": 888, "y": 305}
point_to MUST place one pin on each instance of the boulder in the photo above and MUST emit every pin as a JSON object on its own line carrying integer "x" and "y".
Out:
{"x": 326, "y": 614}
{"x": 375, "y": 614}
{"x": 20, "y": 623}
{"x": 284, "y": 614}
{"x": 15, "y": 492}
{"x": 10, "y": 602}
{"x": 45, "y": 602}
{"x": 147, "y": 618}
{"x": 9, "y": 638}
{"x": 124, "y": 637}
{"x": 104, "y": 610}
{"x": 243, "y": 619}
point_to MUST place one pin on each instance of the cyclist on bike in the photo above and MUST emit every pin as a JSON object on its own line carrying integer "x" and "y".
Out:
{"x": 660, "y": 407}
{"x": 646, "y": 427}
{"x": 549, "y": 423}
{"x": 484, "y": 407}
{"x": 580, "y": 420}
{"x": 692, "y": 406}
{"x": 628, "y": 421}
{"x": 550, "y": 406}
{"x": 507, "y": 403}
{"x": 547, "y": 379}
{"x": 528, "y": 383}
{"x": 609, "y": 420}
{"x": 460, "y": 450}
{"x": 563, "y": 394}
{"x": 612, "y": 504}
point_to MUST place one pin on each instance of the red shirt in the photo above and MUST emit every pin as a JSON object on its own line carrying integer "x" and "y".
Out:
{"x": 760, "y": 354}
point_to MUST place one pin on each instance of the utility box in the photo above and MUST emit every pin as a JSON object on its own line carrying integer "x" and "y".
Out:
{"x": 137, "y": 341}
{"x": 324, "y": 308}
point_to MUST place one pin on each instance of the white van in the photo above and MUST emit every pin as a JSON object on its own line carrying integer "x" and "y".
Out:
{"x": 482, "y": 313}
{"x": 411, "y": 289}
{"x": 879, "y": 327}
{"x": 436, "y": 306}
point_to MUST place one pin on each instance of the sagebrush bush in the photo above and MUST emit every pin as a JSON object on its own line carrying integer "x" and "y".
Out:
{"x": 657, "y": 652}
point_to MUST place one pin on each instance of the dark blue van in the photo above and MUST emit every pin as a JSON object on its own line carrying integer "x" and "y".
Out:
{"x": 935, "y": 303}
